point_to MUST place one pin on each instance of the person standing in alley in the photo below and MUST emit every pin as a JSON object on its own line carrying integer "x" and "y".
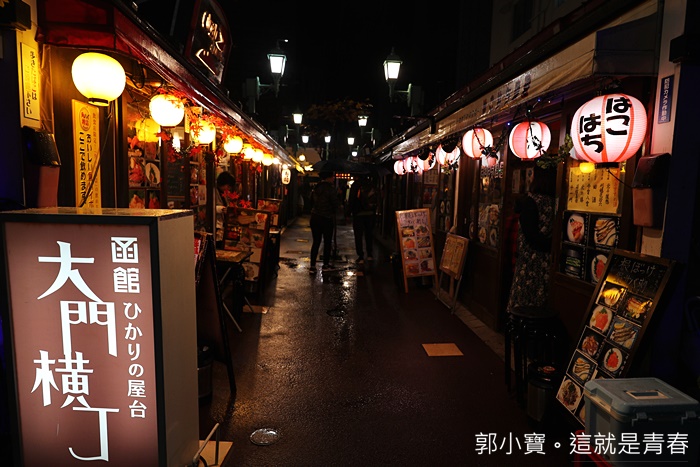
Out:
{"x": 323, "y": 214}
{"x": 225, "y": 185}
{"x": 362, "y": 206}
{"x": 530, "y": 285}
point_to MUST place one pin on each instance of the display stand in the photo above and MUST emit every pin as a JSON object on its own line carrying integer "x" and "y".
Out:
{"x": 248, "y": 230}
{"x": 618, "y": 316}
{"x": 416, "y": 244}
{"x": 452, "y": 264}
{"x": 211, "y": 322}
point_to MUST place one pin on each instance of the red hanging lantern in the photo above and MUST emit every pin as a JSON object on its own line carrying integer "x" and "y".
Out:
{"x": 529, "y": 140}
{"x": 609, "y": 128}
{"x": 474, "y": 141}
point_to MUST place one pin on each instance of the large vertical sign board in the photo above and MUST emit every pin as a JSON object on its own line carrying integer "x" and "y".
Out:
{"x": 85, "y": 336}
{"x": 416, "y": 244}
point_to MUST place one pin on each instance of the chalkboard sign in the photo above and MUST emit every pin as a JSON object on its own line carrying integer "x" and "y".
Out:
{"x": 416, "y": 244}
{"x": 613, "y": 327}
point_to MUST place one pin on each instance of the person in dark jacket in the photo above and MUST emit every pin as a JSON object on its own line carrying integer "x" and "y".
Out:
{"x": 323, "y": 214}
{"x": 362, "y": 205}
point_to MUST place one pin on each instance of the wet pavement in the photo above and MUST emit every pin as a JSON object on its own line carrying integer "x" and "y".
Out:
{"x": 337, "y": 371}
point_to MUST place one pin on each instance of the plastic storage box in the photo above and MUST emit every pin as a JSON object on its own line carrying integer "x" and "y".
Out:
{"x": 641, "y": 417}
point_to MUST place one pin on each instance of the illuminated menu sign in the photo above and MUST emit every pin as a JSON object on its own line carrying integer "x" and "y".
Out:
{"x": 82, "y": 320}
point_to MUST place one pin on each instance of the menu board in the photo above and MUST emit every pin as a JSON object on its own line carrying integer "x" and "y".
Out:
{"x": 453, "y": 255}
{"x": 273, "y": 206}
{"x": 614, "y": 325}
{"x": 598, "y": 191}
{"x": 416, "y": 244}
{"x": 247, "y": 230}
{"x": 587, "y": 240}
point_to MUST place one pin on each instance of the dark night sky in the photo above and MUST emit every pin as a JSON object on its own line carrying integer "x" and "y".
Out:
{"x": 336, "y": 51}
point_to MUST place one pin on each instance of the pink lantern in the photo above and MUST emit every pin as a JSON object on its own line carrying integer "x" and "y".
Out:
{"x": 474, "y": 141}
{"x": 441, "y": 155}
{"x": 529, "y": 140}
{"x": 429, "y": 163}
{"x": 609, "y": 128}
{"x": 453, "y": 156}
{"x": 398, "y": 168}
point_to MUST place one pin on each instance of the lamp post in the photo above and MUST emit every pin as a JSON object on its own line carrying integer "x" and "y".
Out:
{"x": 413, "y": 95}
{"x": 327, "y": 139}
{"x": 253, "y": 89}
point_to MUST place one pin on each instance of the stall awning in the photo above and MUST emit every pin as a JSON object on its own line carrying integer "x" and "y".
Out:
{"x": 110, "y": 26}
{"x": 588, "y": 57}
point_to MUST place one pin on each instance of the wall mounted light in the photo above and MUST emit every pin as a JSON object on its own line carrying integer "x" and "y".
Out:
{"x": 166, "y": 109}
{"x": 254, "y": 89}
{"x": 413, "y": 95}
{"x": 98, "y": 77}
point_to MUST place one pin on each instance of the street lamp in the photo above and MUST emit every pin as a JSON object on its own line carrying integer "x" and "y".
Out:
{"x": 327, "y": 139}
{"x": 305, "y": 139}
{"x": 253, "y": 89}
{"x": 297, "y": 117}
{"x": 413, "y": 95}
{"x": 362, "y": 120}
{"x": 351, "y": 140}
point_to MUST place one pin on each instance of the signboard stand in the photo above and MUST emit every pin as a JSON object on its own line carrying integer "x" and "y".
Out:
{"x": 618, "y": 315}
{"x": 452, "y": 264}
{"x": 416, "y": 244}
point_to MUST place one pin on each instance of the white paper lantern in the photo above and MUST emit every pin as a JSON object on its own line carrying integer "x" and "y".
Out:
{"x": 441, "y": 155}
{"x": 609, "y": 128}
{"x": 474, "y": 141}
{"x": 429, "y": 163}
{"x": 453, "y": 156}
{"x": 398, "y": 168}
{"x": 206, "y": 134}
{"x": 529, "y": 140}
{"x": 233, "y": 145}
{"x": 98, "y": 77}
{"x": 167, "y": 110}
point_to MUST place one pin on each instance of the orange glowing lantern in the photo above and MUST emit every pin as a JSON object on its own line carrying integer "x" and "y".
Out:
{"x": 474, "y": 141}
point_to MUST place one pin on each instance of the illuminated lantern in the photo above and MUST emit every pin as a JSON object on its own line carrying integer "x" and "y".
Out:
{"x": 233, "y": 145}
{"x": 441, "y": 155}
{"x": 474, "y": 141}
{"x": 248, "y": 151}
{"x": 98, "y": 77}
{"x": 408, "y": 164}
{"x": 453, "y": 156}
{"x": 398, "y": 168}
{"x": 529, "y": 140}
{"x": 206, "y": 134}
{"x": 258, "y": 155}
{"x": 609, "y": 128}
{"x": 268, "y": 159}
{"x": 166, "y": 109}
{"x": 429, "y": 163}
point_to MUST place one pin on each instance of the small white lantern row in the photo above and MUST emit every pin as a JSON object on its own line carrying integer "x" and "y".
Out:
{"x": 529, "y": 140}
{"x": 474, "y": 141}
{"x": 609, "y": 128}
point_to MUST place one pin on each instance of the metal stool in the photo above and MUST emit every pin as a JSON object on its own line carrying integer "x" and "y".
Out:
{"x": 529, "y": 329}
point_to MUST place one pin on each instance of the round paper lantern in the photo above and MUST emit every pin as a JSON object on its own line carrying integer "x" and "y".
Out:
{"x": 453, "y": 156}
{"x": 233, "y": 145}
{"x": 474, "y": 141}
{"x": 609, "y": 128}
{"x": 206, "y": 133}
{"x": 258, "y": 155}
{"x": 441, "y": 155}
{"x": 268, "y": 159}
{"x": 398, "y": 168}
{"x": 98, "y": 77}
{"x": 429, "y": 162}
{"x": 248, "y": 151}
{"x": 529, "y": 140}
{"x": 166, "y": 109}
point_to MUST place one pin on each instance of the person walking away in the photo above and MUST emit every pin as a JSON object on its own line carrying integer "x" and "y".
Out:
{"x": 225, "y": 184}
{"x": 530, "y": 285}
{"x": 323, "y": 213}
{"x": 362, "y": 205}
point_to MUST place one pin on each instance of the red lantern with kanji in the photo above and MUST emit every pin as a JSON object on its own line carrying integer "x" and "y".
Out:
{"x": 529, "y": 140}
{"x": 474, "y": 141}
{"x": 609, "y": 128}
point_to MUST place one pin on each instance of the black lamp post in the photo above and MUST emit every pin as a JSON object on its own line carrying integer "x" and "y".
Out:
{"x": 413, "y": 95}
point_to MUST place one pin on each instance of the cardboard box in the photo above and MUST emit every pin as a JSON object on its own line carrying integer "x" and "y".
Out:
{"x": 645, "y": 419}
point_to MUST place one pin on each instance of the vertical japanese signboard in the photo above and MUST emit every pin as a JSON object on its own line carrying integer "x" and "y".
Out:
{"x": 30, "y": 82}
{"x": 86, "y": 148}
{"x": 416, "y": 244}
{"x": 84, "y": 326}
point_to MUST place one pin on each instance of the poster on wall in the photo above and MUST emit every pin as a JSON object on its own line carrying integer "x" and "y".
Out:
{"x": 86, "y": 144}
{"x": 416, "y": 244}
{"x": 248, "y": 230}
{"x": 598, "y": 191}
{"x": 617, "y": 317}
{"x": 587, "y": 240}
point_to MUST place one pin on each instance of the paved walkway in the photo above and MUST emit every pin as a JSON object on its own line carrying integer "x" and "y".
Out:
{"x": 350, "y": 370}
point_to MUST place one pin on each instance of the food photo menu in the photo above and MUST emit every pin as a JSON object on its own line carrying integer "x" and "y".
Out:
{"x": 623, "y": 303}
{"x": 586, "y": 244}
